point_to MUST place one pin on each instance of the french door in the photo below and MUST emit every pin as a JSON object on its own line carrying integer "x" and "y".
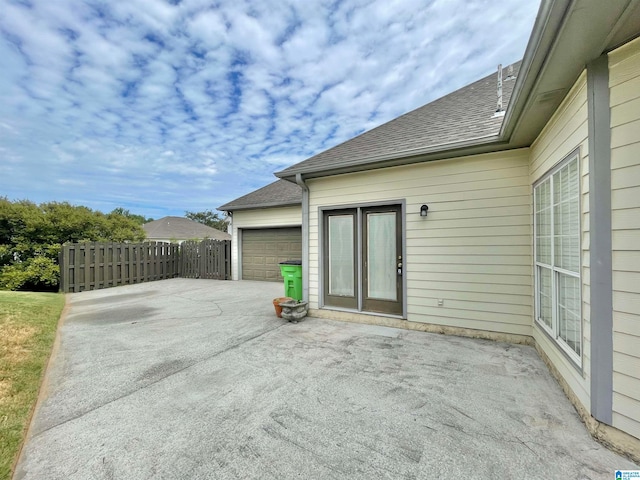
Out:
{"x": 363, "y": 265}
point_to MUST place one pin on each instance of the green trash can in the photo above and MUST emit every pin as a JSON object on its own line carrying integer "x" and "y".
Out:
{"x": 291, "y": 271}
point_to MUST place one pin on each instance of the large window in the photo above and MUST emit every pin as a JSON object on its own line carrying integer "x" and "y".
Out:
{"x": 557, "y": 256}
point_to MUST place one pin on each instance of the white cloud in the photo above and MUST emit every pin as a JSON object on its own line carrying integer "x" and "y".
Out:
{"x": 207, "y": 28}
{"x": 179, "y": 107}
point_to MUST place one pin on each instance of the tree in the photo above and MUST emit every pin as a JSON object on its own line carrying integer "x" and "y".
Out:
{"x": 139, "y": 219}
{"x": 31, "y": 237}
{"x": 120, "y": 228}
{"x": 209, "y": 218}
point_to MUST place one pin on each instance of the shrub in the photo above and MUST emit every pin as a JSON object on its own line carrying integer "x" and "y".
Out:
{"x": 31, "y": 237}
{"x": 38, "y": 273}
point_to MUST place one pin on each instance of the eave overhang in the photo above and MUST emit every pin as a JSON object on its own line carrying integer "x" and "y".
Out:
{"x": 236, "y": 208}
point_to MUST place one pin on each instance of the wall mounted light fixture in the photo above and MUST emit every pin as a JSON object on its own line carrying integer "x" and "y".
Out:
{"x": 423, "y": 210}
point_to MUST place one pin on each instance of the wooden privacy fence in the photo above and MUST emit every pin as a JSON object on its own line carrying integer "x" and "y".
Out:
{"x": 92, "y": 266}
{"x": 206, "y": 259}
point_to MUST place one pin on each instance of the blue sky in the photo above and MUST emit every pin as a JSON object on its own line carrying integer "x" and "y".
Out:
{"x": 162, "y": 106}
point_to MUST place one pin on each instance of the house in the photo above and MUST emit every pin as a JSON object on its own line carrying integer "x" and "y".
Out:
{"x": 519, "y": 224}
{"x": 266, "y": 230}
{"x": 179, "y": 229}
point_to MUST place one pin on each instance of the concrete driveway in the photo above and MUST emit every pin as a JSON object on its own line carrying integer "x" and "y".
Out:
{"x": 195, "y": 379}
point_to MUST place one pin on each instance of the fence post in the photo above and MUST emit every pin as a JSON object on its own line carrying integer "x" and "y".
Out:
{"x": 99, "y": 268}
{"x": 227, "y": 260}
{"x": 175, "y": 260}
{"x": 76, "y": 267}
{"x": 64, "y": 272}
{"x": 151, "y": 261}
{"x": 118, "y": 264}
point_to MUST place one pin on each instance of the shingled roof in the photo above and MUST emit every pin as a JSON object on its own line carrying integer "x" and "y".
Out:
{"x": 467, "y": 114}
{"x": 277, "y": 194}
{"x": 180, "y": 228}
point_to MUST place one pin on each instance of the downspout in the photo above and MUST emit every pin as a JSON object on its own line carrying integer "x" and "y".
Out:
{"x": 305, "y": 236}
{"x": 234, "y": 246}
{"x": 229, "y": 215}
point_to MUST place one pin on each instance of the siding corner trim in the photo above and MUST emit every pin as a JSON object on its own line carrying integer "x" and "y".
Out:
{"x": 601, "y": 291}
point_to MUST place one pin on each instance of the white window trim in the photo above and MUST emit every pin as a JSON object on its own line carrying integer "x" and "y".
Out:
{"x": 553, "y": 331}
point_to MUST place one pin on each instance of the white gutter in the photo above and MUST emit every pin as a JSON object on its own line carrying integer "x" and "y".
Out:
{"x": 305, "y": 236}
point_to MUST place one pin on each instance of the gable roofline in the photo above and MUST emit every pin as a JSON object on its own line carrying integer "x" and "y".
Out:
{"x": 567, "y": 34}
{"x": 276, "y": 194}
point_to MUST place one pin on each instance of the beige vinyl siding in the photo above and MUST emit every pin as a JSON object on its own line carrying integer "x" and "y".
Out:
{"x": 473, "y": 250}
{"x": 624, "y": 84}
{"x": 260, "y": 218}
{"x": 567, "y": 130}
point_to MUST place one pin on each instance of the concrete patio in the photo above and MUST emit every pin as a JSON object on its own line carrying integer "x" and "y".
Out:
{"x": 197, "y": 379}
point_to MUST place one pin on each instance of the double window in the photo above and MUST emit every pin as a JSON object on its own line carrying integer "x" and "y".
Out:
{"x": 557, "y": 256}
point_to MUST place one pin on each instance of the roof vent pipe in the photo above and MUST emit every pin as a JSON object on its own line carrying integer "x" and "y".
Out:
{"x": 499, "y": 107}
{"x": 499, "y": 110}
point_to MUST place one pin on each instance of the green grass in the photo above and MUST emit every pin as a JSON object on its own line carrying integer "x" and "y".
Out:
{"x": 28, "y": 324}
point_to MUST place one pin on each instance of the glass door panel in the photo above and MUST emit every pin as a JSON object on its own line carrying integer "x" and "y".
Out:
{"x": 341, "y": 255}
{"x": 381, "y": 256}
{"x": 340, "y": 250}
{"x": 382, "y": 259}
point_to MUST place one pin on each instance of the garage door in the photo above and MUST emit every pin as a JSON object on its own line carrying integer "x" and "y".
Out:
{"x": 263, "y": 249}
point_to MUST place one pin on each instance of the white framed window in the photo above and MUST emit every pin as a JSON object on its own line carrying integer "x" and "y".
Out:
{"x": 557, "y": 256}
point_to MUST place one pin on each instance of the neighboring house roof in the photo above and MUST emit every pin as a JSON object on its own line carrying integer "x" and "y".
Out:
{"x": 277, "y": 194}
{"x": 567, "y": 35}
{"x": 466, "y": 114}
{"x": 180, "y": 228}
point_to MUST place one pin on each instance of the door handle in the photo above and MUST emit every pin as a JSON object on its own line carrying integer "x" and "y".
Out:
{"x": 399, "y": 268}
